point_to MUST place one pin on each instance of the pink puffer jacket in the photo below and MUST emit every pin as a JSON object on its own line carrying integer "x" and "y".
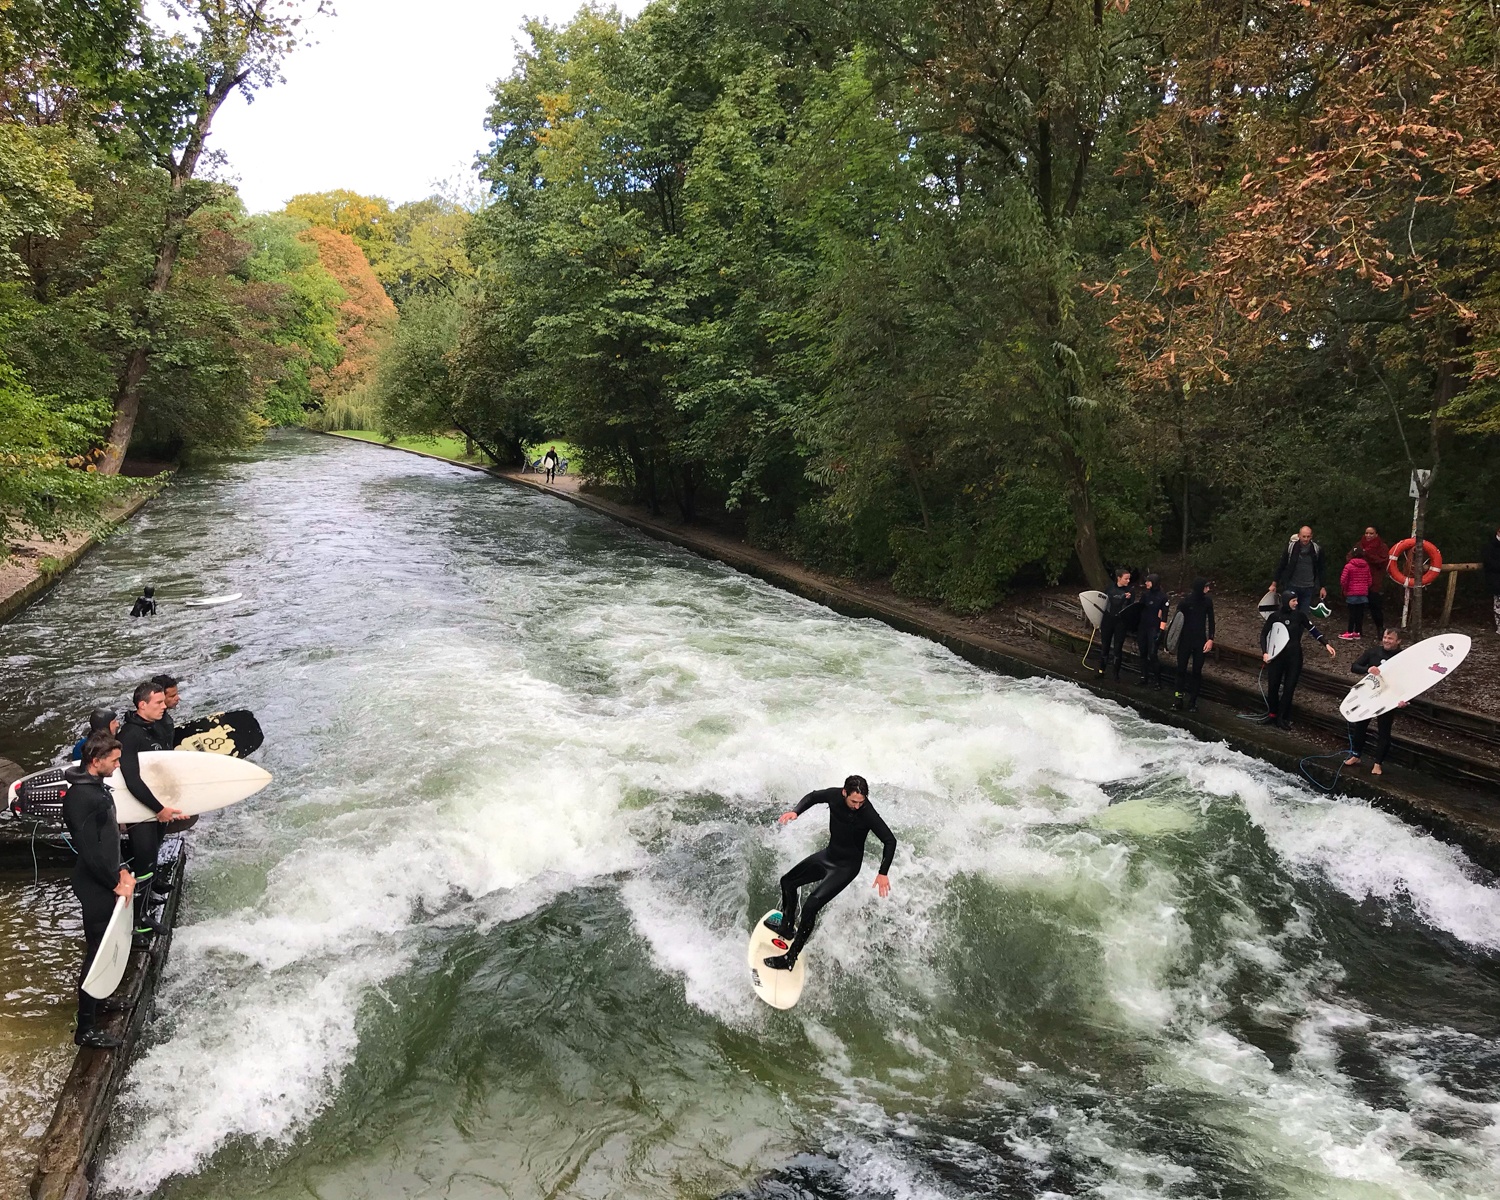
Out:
{"x": 1355, "y": 580}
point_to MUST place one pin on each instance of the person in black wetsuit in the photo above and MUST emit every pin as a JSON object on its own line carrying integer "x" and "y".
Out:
{"x": 145, "y": 603}
{"x": 851, "y": 817}
{"x": 1369, "y": 663}
{"x": 166, "y": 726}
{"x": 1196, "y": 640}
{"x": 1152, "y": 628}
{"x": 1286, "y": 667}
{"x": 98, "y": 876}
{"x": 101, "y": 720}
{"x": 138, "y": 733}
{"x": 1112, "y": 630}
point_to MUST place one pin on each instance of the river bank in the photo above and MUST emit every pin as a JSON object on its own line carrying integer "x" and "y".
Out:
{"x": 1459, "y": 809}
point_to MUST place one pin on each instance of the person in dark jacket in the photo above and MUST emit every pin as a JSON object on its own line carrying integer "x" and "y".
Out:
{"x": 101, "y": 720}
{"x": 1301, "y": 569}
{"x": 1286, "y": 668}
{"x": 138, "y": 734}
{"x": 1152, "y": 629}
{"x": 1196, "y": 640}
{"x": 1114, "y": 625}
{"x": 1378, "y": 555}
{"x": 145, "y": 603}
{"x": 98, "y": 876}
{"x": 1369, "y": 663}
{"x": 1489, "y": 559}
{"x": 851, "y": 818}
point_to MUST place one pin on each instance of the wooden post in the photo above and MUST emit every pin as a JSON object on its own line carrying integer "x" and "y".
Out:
{"x": 1451, "y": 570}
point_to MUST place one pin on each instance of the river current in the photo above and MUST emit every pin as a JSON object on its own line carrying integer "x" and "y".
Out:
{"x": 484, "y": 935}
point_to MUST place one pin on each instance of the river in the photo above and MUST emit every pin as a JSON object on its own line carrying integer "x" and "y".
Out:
{"x": 484, "y": 934}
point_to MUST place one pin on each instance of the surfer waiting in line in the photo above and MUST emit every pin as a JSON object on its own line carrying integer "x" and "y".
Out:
{"x": 1369, "y": 663}
{"x": 1112, "y": 629}
{"x": 851, "y": 818}
{"x": 1286, "y": 667}
{"x": 1151, "y": 631}
{"x": 145, "y": 603}
{"x": 138, "y": 733}
{"x": 1195, "y": 640}
{"x": 101, "y": 720}
{"x": 165, "y": 727}
{"x": 98, "y": 875}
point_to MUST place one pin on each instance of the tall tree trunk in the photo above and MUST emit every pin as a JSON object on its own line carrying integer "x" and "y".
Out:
{"x": 180, "y": 170}
{"x": 1086, "y": 541}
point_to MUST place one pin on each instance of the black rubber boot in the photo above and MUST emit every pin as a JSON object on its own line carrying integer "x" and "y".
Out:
{"x": 1178, "y": 703}
{"x": 97, "y": 1038}
{"x": 782, "y": 962}
{"x": 776, "y": 924}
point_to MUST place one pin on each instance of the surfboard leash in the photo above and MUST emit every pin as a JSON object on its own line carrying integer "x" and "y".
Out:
{"x": 1342, "y": 755}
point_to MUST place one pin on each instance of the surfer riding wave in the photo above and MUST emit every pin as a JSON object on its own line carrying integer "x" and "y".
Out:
{"x": 851, "y": 819}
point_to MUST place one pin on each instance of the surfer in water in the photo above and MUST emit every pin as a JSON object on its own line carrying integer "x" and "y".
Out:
{"x": 1286, "y": 667}
{"x": 1369, "y": 663}
{"x": 145, "y": 603}
{"x": 851, "y": 818}
{"x": 138, "y": 733}
{"x": 98, "y": 876}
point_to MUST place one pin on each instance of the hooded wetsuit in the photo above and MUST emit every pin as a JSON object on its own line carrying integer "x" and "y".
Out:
{"x": 138, "y": 735}
{"x": 1359, "y": 731}
{"x": 1152, "y": 629}
{"x": 834, "y": 867}
{"x": 89, "y": 813}
{"x": 1197, "y": 609}
{"x": 1286, "y": 668}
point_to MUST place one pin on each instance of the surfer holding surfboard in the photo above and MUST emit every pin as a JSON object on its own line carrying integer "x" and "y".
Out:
{"x": 1369, "y": 663}
{"x": 1286, "y": 664}
{"x": 851, "y": 818}
{"x": 98, "y": 876}
{"x": 139, "y": 732}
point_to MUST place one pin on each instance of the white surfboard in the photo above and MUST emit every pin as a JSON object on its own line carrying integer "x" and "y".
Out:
{"x": 1269, "y": 603}
{"x": 1406, "y": 676}
{"x": 193, "y": 782}
{"x": 1277, "y": 640}
{"x": 1174, "y": 631}
{"x": 108, "y": 967}
{"x": 211, "y": 601}
{"x": 779, "y": 989}
{"x": 1093, "y": 606}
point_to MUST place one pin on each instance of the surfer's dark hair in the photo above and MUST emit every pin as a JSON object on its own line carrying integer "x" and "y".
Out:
{"x": 101, "y": 718}
{"x": 145, "y": 691}
{"x": 98, "y": 745}
{"x": 164, "y": 681}
{"x": 856, "y": 783}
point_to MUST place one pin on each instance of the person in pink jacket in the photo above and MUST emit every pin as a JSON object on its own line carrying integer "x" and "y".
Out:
{"x": 1355, "y": 581}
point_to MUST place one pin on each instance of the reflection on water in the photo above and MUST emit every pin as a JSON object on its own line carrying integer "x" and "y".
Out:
{"x": 485, "y": 932}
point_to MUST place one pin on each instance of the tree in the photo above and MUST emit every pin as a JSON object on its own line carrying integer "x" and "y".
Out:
{"x": 366, "y": 316}
{"x": 227, "y": 46}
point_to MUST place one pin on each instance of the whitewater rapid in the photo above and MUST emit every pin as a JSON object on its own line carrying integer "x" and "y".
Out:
{"x": 485, "y": 932}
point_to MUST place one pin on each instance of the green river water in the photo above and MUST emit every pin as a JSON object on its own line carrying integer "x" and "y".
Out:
{"x": 484, "y": 934}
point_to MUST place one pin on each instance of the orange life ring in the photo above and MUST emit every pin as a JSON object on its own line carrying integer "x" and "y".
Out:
{"x": 1406, "y": 546}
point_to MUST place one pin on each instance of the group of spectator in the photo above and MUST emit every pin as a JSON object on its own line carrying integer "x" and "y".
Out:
{"x": 1362, "y": 579}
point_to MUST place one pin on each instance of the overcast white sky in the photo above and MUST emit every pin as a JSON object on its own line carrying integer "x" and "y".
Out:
{"x": 391, "y": 99}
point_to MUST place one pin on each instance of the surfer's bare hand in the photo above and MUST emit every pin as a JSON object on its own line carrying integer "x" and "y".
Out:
{"x": 1332, "y": 653}
{"x": 1208, "y": 645}
{"x": 1403, "y": 704}
{"x": 1265, "y": 658}
{"x": 126, "y": 886}
{"x": 785, "y": 817}
{"x": 1375, "y": 671}
{"x": 168, "y": 813}
{"x": 883, "y": 885}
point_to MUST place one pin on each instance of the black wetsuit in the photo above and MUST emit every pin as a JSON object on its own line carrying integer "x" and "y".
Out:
{"x": 137, "y": 735}
{"x": 144, "y": 606}
{"x": 1286, "y": 668}
{"x": 1112, "y": 629}
{"x": 1149, "y": 635}
{"x": 165, "y": 730}
{"x": 834, "y": 867}
{"x": 1197, "y": 609}
{"x": 1359, "y": 730}
{"x": 89, "y": 813}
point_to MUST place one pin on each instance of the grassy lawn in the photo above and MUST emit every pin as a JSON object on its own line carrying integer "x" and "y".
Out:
{"x": 445, "y": 447}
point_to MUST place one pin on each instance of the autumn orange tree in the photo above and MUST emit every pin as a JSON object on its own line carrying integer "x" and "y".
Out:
{"x": 1326, "y": 183}
{"x": 366, "y": 317}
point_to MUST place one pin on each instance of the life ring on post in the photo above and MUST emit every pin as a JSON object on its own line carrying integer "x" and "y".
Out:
{"x": 1406, "y": 546}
